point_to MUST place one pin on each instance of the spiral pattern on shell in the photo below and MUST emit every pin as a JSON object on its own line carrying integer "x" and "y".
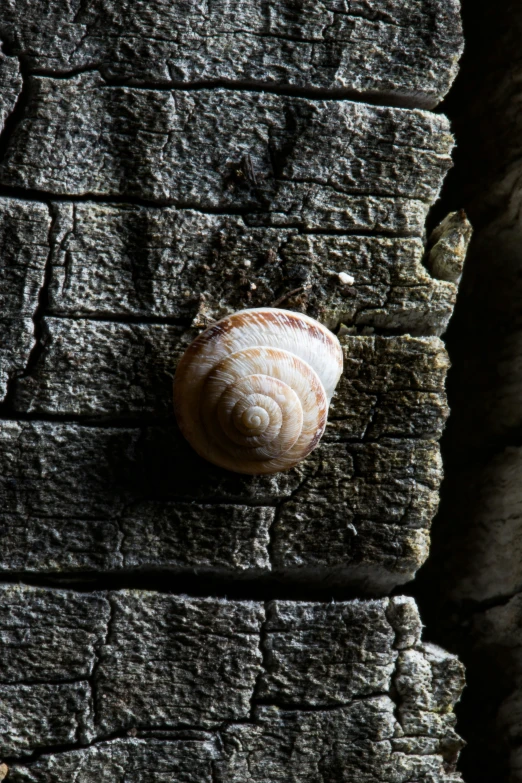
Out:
{"x": 251, "y": 393}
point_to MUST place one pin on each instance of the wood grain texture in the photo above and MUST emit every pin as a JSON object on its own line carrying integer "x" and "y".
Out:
{"x": 10, "y": 85}
{"x": 24, "y": 248}
{"x": 228, "y": 150}
{"x": 390, "y": 386}
{"x": 371, "y": 488}
{"x": 103, "y": 499}
{"x": 113, "y": 262}
{"x": 405, "y": 51}
{"x": 120, "y": 261}
{"x": 373, "y": 699}
{"x": 162, "y": 165}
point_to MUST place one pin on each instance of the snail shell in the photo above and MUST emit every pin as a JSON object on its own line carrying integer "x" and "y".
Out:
{"x": 251, "y": 393}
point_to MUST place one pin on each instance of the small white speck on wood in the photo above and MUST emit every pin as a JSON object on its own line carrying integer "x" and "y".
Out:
{"x": 346, "y": 279}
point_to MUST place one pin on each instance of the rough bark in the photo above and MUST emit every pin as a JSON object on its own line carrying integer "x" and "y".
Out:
{"x": 162, "y": 166}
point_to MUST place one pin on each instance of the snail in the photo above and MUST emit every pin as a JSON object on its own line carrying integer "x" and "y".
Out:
{"x": 251, "y": 393}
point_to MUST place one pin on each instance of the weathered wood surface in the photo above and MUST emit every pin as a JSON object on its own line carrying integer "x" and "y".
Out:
{"x": 232, "y": 150}
{"x": 230, "y": 689}
{"x": 79, "y": 498}
{"x": 118, "y": 261}
{"x": 24, "y": 248}
{"x": 370, "y": 488}
{"x": 10, "y": 85}
{"x": 165, "y": 165}
{"x": 407, "y": 51}
{"x": 391, "y": 386}
{"x": 372, "y": 492}
{"x": 115, "y": 262}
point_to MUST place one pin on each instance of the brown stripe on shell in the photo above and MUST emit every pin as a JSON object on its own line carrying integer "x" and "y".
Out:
{"x": 318, "y": 435}
{"x": 295, "y": 321}
{"x": 218, "y": 329}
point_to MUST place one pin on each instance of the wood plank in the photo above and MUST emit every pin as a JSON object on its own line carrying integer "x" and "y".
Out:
{"x": 177, "y": 142}
{"x": 119, "y": 261}
{"x": 96, "y": 498}
{"x": 406, "y": 51}
{"x": 391, "y": 386}
{"x": 372, "y": 694}
{"x": 371, "y": 492}
{"x": 116, "y": 262}
{"x": 288, "y": 161}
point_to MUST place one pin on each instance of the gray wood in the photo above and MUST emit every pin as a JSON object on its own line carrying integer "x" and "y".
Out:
{"x": 391, "y": 386}
{"x": 148, "y": 493}
{"x": 163, "y": 165}
{"x": 372, "y": 700}
{"x": 24, "y": 248}
{"x": 189, "y": 757}
{"x": 115, "y": 261}
{"x": 39, "y": 715}
{"x": 97, "y": 508}
{"x": 105, "y": 498}
{"x": 406, "y": 51}
{"x": 228, "y": 150}
{"x": 10, "y": 85}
